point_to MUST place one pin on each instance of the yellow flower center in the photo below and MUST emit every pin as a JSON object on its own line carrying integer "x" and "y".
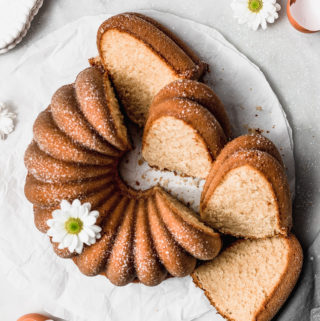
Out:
{"x": 255, "y": 5}
{"x": 73, "y": 225}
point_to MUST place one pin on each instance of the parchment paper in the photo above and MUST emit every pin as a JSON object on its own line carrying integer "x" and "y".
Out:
{"x": 25, "y": 254}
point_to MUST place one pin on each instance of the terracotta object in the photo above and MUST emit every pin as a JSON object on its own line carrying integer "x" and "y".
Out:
{"x": 33, "y": 317}
{"x": 304, "y": 15}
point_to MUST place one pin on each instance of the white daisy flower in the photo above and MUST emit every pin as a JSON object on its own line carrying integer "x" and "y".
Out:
{"x": 74, "y": 225}
{"x": 6, "y": 121}
{"x": 255, "y": 12}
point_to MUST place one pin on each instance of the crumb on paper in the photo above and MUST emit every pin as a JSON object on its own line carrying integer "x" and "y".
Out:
{"x": 253, "y": 130}
{"x": 165, "y": 183}
{"x": 140, "y": 161}
{"x": 259, "y": 108}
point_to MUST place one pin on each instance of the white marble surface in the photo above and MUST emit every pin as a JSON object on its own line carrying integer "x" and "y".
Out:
{"x": 290, "y": 60}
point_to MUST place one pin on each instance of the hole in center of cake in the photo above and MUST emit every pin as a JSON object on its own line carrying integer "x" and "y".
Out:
{"x": 136, "y": 173}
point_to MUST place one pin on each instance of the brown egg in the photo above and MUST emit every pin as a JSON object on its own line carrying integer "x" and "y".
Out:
{"x": 33, "y": 317}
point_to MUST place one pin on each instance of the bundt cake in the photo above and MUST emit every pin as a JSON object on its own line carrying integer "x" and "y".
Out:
{"x": 130, "y": 235}
{"x": 246, "y": 193}
{"x": 186, "y": 129}
{"x": 142, "y": 56}
{"x": 106, "y": 227}
{"x": 251, "y": 279}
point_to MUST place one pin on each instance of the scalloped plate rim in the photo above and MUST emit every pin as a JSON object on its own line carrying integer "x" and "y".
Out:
{"x": 23, "y": 27}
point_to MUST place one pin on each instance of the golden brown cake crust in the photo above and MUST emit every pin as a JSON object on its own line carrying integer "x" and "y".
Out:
{"x": 51, "y": 194}
{"x": 158, "y": 38}
{"x": 177, "y": 262}
{"x": 78, "y": 144}
{"x": 194, "y": 57}
{"x": 271, "y": 169}
{"x": 54, "y": 142}
{"x": 66, "y": 114}
{"x": 148, "y": 267}
{"x": 194, "y": 115}
{"x": 245, "y": 142}
{"x": 196, "y": 238}
{"x": 285, "y": 286}
{"x": 93, "y": 259}
{"x": 281, "y": 290}
{"x": 199, "y": 93}
{"x": 120, "y": 265}
{"x": 48, "y": 169}
{"x": 90, "y": 87}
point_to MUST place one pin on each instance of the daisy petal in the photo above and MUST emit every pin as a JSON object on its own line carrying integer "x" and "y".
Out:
{"x": 76, "y": 203}
{"x": 74, "y": 243}
{"x": 65, "y": 205}
{"x": 83, "y": 236}
{"x": 89, "y": 220}
{"x": 67, "y": 240}
{"x": 89, "y": 231}
{"x": 96, "y": 228}
{"x": 79, "y": 248}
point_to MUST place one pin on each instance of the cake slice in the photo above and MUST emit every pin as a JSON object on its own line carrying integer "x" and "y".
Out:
{"x": 201, "y": 94}
{"x": 251, "y": 279}
{"x": 188, "y": 231}
{"x": 99, "y": 105}
{"x": 247, "y": 193}
{"x": 142, "y": 57}
{"x": 177, "y": 262}
{"x": 182, "y": 132}
{"x": 244, "y": 142}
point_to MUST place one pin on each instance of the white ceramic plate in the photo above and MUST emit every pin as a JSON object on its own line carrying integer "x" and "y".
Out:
{"x": 15, "y": 19}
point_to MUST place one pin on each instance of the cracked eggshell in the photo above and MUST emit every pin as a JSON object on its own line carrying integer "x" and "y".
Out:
{"x": 304, "y": 15}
